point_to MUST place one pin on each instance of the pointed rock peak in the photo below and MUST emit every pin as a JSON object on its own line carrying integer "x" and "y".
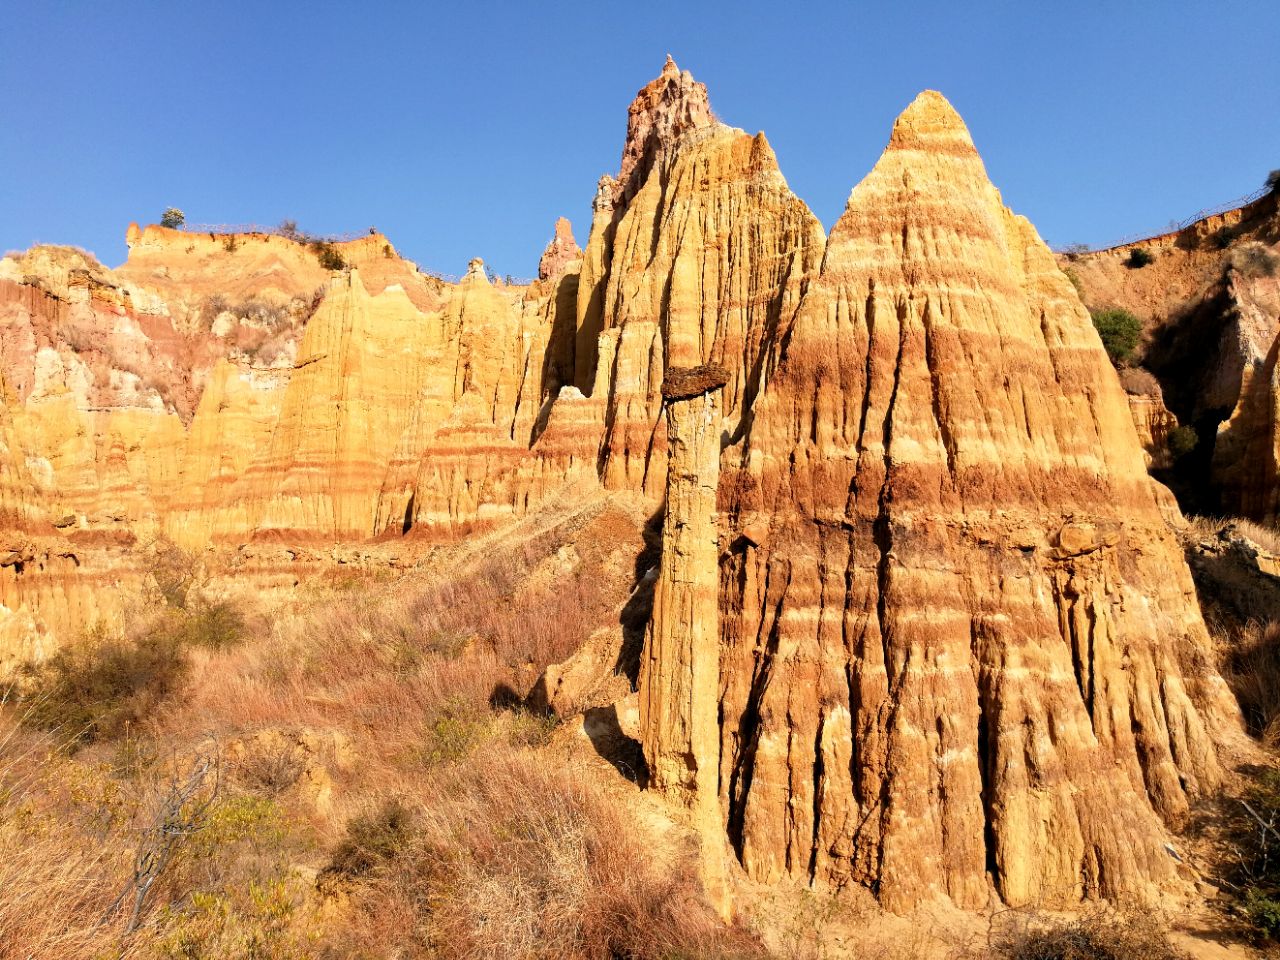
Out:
{"x": 560, "y": 252}
{"x": 931, "y": 123}
{"x": 663, "y": 111}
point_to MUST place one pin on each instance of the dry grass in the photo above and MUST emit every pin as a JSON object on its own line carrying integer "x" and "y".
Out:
{"x": 400, "y": 664}
{"x": 451, "y": 823}
{"x": 1250, "y": 655}
{"x": 1268, "y": 538}
{"x": 513, "y": 856}
{"x": 1140, "y": 382}
{"x": 1207, "y": 528}
{"x": 1096, "y": 936}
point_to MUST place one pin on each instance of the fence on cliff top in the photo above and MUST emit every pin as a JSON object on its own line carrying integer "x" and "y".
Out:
{"x": 302, "y": 236}
{"x": 1177, "y": 225}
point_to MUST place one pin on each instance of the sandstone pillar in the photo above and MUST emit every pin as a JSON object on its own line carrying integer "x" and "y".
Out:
{"x": 680, "y": 668}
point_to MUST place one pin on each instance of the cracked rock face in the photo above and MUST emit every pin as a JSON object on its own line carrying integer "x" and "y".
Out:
{"x": 952, "y": 611}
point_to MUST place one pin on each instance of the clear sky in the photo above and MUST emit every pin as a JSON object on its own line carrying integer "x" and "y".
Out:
{"x": 463, "y": 129}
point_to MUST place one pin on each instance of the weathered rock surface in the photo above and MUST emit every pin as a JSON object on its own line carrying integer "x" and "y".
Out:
{"x": 698, "y": 253}
{"x": 930, "y": 631}
{"x": 680, "y": 670}
{"x": 1210, "y": 303}
{"x": 345, "y": 406}
{"x": 561, "y": 251}
{"x": 1153, "y": 421}
{"x": 952, "y": 607}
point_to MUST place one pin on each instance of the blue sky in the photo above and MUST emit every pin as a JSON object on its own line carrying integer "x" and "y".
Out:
{"x": 464, "y": 129}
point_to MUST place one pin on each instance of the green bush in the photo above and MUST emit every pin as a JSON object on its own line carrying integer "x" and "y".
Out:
{"x": 1120, "y": 331}
{"x": 1181, "y": 441}
{"x": 1075, "y": 282}
{"x": 328, "y": 255}
{"x": 173, "y": 218}
{"x": 1263, "y": 910}
{"x": 213, "y": 625}
{"x": 372, "y": 839}
{"x": 1139, "y": 258}
{"x": 94, "y": 690}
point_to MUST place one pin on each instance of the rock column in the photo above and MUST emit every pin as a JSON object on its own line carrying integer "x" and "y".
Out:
{"x": 680, "y": 668}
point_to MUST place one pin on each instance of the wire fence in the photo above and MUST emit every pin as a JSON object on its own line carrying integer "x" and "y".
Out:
{"x": 220, "y": 229}
{"x": 1177, "y": 225}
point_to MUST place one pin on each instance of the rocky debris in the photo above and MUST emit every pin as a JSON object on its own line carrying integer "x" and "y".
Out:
{"x": 685, "y": 383}
{"x": 947, "y": 655}
{"x": 1237, "y": 569}
{"x": 560, "y": 252}
{"x": 275, "y": 761}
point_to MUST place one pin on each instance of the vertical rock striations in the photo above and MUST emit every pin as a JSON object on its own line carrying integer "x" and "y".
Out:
{"x": 954, "y": 622}
{"x": 680, "y": 665}
{"x": 345, "y": 406}
{"x": 698, "y": 253}
{"x": 679, "y": 672}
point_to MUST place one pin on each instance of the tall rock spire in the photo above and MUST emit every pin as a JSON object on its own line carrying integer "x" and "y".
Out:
{"x": 680, "y": 666}
{"x": 664, "y": 110}
{"x": 956, "y": 659}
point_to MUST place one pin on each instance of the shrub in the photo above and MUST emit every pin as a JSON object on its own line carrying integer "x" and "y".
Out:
{"x": 1075, "y": 282}
{"x": 1120, "y": 331}
{"x": 328, "y": 255}
{"x": 1182, "y": 440}
{"x": 211, "y": 625}
{"x": 1139, "y": 258}
{"x": 289, "y": 230}
{"x": 95, "y": 689}
{"x": 176, "y": 572}
{"x": 1074, "y": 250}
{"x": 372, "y": 839}
{"x": 1255, "y": 850}
{"x": 173, "y": 218}
{"x": 229, "y": 244}
{"x": 1272, "y": 182}
{"x": 1100, "y": 936}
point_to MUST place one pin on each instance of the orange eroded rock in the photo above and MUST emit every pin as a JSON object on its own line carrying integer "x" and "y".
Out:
{"x": 956, "y": 626}
{"x": 698, "y": 253}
